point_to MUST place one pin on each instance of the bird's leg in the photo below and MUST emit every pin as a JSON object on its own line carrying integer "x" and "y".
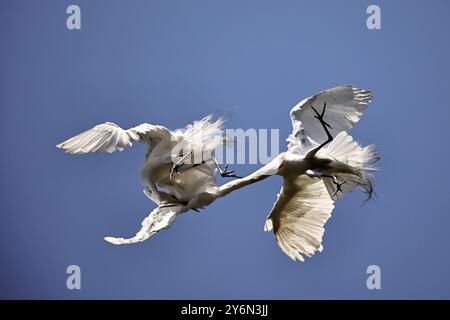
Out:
{"x": 224, "y": 172}
{"x": 338, "y": 186}
{"x": 315, "y": 174}
{"x": 181, "y": 163}
{"x": 325, "y": 125}
{"x": 178, "y": 164}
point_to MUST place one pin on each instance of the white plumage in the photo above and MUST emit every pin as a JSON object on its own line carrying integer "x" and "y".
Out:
{"x": 345, "y": 105}
{"x": 299, "y": 215}
{"x": 109, "y": 137}
{"x": 202, "y": 137}
{"x": 322, "y": 162}
{"x": 159, "y": 219}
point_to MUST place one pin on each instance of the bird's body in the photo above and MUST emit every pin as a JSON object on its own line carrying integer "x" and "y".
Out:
{"x": 155, "y": 174}
{"x": 322, "y": 163}
{"x": 157, "y": 165}
{"x": 311, "y": 184}
{"x": 204, "y": 135}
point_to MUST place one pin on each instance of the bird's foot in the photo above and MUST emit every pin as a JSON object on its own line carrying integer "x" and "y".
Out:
{"x": 228, "y": 174}
{"x": 319, "y": 116}
{"x": 338, "y": 186}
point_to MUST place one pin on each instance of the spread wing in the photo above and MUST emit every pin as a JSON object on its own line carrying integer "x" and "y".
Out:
{"x": 344, "y": 107}
{"x": 299, "y": 215}
{"x": 110, "y": 137}
{"x": 159, "y": 219}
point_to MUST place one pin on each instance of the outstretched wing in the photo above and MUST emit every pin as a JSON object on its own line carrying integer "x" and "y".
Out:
{"x": 160, "y": 218}
{"x": 344, "y": 107}
{"x": 299, "y": 215}
{"x": 110, "y": 137}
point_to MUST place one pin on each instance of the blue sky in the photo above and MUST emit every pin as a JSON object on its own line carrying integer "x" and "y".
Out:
{"x": 172, "y": 62}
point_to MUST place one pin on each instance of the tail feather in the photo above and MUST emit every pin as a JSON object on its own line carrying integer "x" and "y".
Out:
{"x": 206, "y": 132}
{"x": 352, "y": 166}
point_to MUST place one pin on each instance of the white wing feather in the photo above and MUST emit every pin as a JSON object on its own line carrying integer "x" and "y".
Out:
{"x": 109, "y": 137}
{"x": 299, "y": 215}
{"x": 344, "y": 107}
{"x": 159, "y": 219}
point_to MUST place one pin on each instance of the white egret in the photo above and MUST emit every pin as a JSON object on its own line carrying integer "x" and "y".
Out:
{"x": 157, "y": 171}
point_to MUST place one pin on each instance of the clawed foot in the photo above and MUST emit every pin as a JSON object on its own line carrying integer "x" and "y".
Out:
{"x": 338, "y": 186}
{"x": 319, "y": 116}
{"x": 228, "y": 174}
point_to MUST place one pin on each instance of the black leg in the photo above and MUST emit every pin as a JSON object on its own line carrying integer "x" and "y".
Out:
{"x": 177, "y": 166}
{"x": 338, "y": 186}
{"x": 225, "y": 173}
{"x": 336, "y": 183}
{"x": 325, "y": 125}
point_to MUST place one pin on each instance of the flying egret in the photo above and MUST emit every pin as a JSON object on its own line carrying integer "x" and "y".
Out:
{"x": 157, "y": 171}
{"x": 322, "y": 163}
